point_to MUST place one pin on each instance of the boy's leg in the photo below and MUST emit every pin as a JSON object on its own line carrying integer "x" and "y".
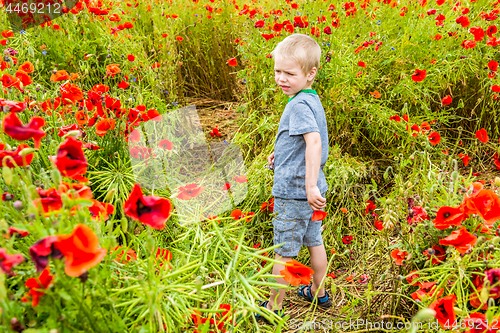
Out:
{"x": 319, "y": 264}
{"x": 277, "y": 303}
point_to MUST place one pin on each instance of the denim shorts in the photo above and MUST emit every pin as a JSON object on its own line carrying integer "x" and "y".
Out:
{"x": 293, "y": 226}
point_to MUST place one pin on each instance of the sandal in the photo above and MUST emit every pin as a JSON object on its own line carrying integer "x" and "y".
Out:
{"x": 323, "y": 302}
{"x": 279, "y": 313}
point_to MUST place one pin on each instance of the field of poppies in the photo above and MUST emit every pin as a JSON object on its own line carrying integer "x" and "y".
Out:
{"x": 135, "y": 191}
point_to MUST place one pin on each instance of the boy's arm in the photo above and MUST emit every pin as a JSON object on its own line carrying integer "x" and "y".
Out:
{"x": 313, "y": 162}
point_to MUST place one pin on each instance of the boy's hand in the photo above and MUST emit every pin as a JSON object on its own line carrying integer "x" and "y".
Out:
{"x": 316, "y": 201}
{"x": 270, "y": 158}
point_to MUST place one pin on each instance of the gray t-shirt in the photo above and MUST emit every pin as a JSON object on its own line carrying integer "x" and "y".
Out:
{"x": 303, "y": 114}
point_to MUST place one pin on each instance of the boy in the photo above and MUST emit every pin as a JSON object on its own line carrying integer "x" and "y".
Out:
{"x": 301, "y": 151}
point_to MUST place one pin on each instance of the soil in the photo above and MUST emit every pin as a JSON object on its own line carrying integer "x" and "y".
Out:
{"x": 217, "y": 114}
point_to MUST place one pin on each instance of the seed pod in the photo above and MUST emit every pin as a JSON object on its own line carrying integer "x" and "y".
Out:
{"x": 454, "y": 176}
{"x": 496, "y": 240}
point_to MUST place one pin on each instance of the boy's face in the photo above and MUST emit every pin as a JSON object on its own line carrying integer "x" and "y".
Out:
{"x": 290, "y": 78}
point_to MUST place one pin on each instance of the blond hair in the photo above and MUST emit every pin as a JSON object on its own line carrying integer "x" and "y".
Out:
{"x": 301, "y": 48}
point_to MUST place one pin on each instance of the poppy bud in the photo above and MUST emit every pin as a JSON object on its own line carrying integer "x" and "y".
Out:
{"x": 431, "y": 251}
{"x": 424, "y": 315}
{"x": 26, "y": 151}
{"x": 496, "y": 240}
{"x": 124, "y": 224}
{"x": 18, "y": 205}
{"x": 484, "y": 294}
{"x": 454, "y": 176}
{"x": 480, "y": 240}
{"x": 150, "y": 244}
{"x": 109, "y": 196}
{"x": 65, "y": 200}
{"x": 497, "y": 181}
{"x": 16, "y": 326}
{"x": 7, "y": 175}
{"x": 56, "y": 176}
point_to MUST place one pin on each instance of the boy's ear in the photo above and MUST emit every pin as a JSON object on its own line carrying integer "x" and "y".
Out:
{"x": 312, "y": 73}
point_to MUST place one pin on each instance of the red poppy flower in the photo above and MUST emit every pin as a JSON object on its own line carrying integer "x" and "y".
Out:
{"x": 493, "y": 65}
{"x": 449, "y": 216}
{"x": 419, "y": 75}
{"x": 482, "y": 135}
{"x": 50, "y": 200}
{"x": 240, "y": 179}
{"x": 70, "y": 93}
{"x": 478, "y": 323}
{"x": 154, "y": 115}
{"x": 259, "y": 24}
{"x": 347, "y": 239}
{"x": 18, "y": 160}
{"x": 123, "y": 85}
{"x": 13, "y": 106}
{"x": 215, "y": 131}
{"x": 425, "y": 127}
{"x": 163, "y": 255}
{"x": 14, "y": 128}
{"x": 446, "y": 100}
{"x": 7, "y": 261}
{"x": 445, "y": 314}
{"x": 468, "y": 44}
{"x": 405, "y": 117}
{"x": 399, "y": 256}
{"x": 14, "y": 230}
{"x": 427, "y": 289}
{"x": 130, "y": 57}
{"x": 361, "y": 64}
{"x": 35, "y": 284}
{"x": 478, "y": 33}
{"x": 236, "y": 214}
{"x": 226, "y": 186}
{"x": 465, "y": 158}
{"x": 318, "y": 215}
{"x": 80, "y": 249}
{"x": 296, "y": 273}
{"x": 101, "y": 210}
{"x": 434, "y": 138}
{"x": 438, "y": 255}
{"x": 396, "y": 118}
{"x": 131, "y": 255}
{"x": 70, "y": 159}
{"x": 189, "y": 191}
{"x": 41, "y": 250}
{"x": 151, "y": 210}
{"x": 485, "y": 203}
{"x": 179, "y": 38}
{"x": 461, "y": 239}
{"x": 165, "y": 144}
{"x": 65, "y": 129}
{"x": 412, "y": 276}
{"x": 102, "y": 127}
